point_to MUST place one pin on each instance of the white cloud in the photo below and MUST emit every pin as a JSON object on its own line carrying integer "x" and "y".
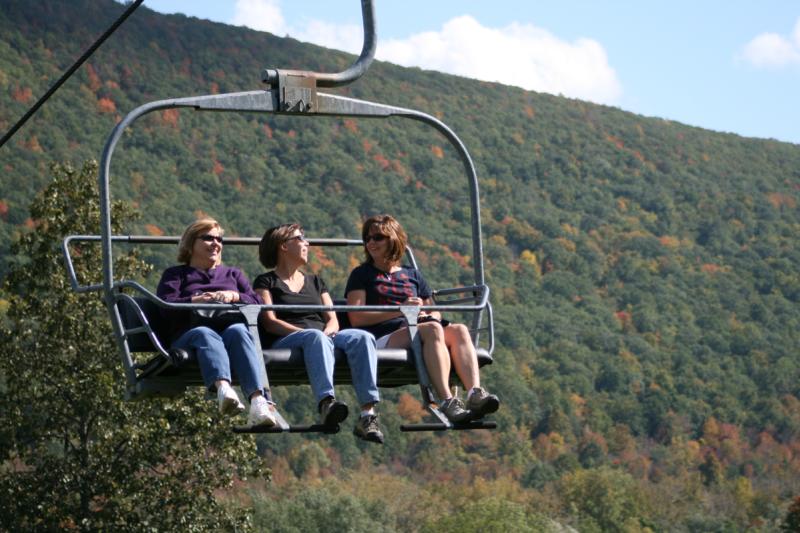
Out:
{"x": 349, "y": 38}
{"x": 774, "y": 50}
{"x": 262, "y": 15}
{"x": 519, "y": 54}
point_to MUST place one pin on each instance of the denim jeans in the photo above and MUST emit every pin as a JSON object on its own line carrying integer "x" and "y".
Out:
{"x": 218, "y": 352}
{"x": 318, "y": 354}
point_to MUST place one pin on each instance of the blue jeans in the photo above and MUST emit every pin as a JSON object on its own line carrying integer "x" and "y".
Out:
{"x": 218, "y": 352}
{"x": 318, "y": 354}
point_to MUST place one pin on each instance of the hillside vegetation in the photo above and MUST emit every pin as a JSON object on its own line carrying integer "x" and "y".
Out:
{"x": 644, "y": 274}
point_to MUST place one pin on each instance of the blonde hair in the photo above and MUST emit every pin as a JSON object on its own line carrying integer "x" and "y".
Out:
{"x": 190, "y": 234}
{"x": 271, "y": 242}
{"x": 390, "y": 227}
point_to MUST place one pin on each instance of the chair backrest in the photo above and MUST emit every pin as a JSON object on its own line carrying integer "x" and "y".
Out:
{"x": 342, "y": 316}
{"x": 140, "y": 342}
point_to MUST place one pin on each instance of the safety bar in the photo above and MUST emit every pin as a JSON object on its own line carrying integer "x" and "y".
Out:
{"x": 453, "y": 305}
{"x": 128, "y": 284}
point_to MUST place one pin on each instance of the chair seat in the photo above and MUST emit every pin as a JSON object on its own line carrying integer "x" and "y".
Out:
{"x": 395, "y": 367}
{"x": 284, "y": 366}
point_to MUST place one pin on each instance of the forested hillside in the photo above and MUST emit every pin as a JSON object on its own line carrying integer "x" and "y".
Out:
{"x": 645, "y": 274}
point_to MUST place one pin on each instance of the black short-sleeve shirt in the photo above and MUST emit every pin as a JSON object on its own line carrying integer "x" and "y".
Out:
{"x": 309, "y": 294}
{"x": 383, "y": 288}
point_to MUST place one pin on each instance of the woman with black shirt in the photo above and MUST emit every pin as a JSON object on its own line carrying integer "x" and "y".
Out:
{"x": 284, "y": 248}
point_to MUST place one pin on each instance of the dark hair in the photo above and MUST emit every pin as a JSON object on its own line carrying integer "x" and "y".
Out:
{"x": 390, "y": 227}
{"x": 271, "y": 242}
{"x": 190, "y": 234}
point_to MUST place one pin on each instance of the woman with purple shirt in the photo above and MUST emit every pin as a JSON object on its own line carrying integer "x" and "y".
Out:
{"x": 202, "y": 278}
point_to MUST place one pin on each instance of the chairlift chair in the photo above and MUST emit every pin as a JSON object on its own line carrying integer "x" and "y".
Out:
{"x": 135, "y": 318}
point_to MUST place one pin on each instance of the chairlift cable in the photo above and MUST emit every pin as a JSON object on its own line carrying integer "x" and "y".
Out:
{"x": 64, "y": 77}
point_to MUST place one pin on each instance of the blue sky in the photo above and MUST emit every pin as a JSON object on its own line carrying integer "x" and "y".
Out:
{"x": 731, "y": 66}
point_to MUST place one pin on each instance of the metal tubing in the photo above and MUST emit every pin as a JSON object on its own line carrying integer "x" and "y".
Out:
{"x": 444, "y": 427}
{"x": 355, "y": 71}
{"x": 267, "y": 102}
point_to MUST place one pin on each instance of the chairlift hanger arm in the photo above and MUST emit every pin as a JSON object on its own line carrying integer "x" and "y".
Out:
{"x": 276, "y": 77}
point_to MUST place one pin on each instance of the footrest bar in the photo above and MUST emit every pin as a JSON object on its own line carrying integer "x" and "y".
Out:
{"x": 311, "y": 428}
{"x": 436, "y": 426}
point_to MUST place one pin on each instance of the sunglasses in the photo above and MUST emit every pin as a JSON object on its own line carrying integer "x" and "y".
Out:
{"x": 210, "y": 238}
{"x": 300, "y": 237}
{"x": 377, "y": 237}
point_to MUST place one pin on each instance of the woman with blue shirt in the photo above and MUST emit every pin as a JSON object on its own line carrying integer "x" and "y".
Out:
{"x": 383, "y": 280}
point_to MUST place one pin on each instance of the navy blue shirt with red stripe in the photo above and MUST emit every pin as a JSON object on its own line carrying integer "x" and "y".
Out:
{"x": 384, "y": 288}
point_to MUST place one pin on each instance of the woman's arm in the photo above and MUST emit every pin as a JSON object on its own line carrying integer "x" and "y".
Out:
{"x": 245, "y": 292}
{"x": 435, "y": 314}
{"x": 271, "y": 322}
{"x": 169, "y": 287}
{"x": 331, "y": 322}
{"x": 368, "y": 318}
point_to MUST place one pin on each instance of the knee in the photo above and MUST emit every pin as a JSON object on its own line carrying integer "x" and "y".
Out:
{"x": 237, "y": 331}
{"x": 204, "y": 333}
{"x": 315, "y": 337}
{"x": 360, "y": 336}
{"x": 357, "y": 344}
{"x": 460, "y": 331}
{"x": 431, "y": 332}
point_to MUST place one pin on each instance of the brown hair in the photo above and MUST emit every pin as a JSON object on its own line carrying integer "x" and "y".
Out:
{"x": 271, "y": 242}
{"x": 390, "y": 227}
{"x": 190, "y": 234}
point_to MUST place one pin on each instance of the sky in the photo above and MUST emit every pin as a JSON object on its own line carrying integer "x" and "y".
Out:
{"x": 723, "y": 65}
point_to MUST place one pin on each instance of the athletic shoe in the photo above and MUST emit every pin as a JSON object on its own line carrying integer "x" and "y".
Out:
{"x": 367, "y": 429}
{"x": 453, "y": 409}
{"x": 480, "y": 403}
{"x": 261, "y": 413}
{"x": 331, "y": 412}
{"x": 229, "y": 403}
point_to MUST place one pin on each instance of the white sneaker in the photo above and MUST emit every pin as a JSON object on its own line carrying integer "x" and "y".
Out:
{"x": 229, "y": 403}
{"x": 261, "y": 413}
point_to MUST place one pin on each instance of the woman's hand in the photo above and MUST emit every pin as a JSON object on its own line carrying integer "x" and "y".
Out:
{"x": 416, "y": 300}
{"x": 225, "y": 297}
{"x": 330, "y": 330}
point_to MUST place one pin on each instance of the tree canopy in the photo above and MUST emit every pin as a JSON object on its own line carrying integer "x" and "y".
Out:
{"x": 644, "y": 273}
{"x": 74, "y": 455}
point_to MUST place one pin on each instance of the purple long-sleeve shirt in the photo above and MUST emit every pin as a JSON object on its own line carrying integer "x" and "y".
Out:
{"x": 179, "y": 283}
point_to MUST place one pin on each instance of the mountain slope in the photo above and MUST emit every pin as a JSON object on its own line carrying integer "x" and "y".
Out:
{"x": 644, "y": 273}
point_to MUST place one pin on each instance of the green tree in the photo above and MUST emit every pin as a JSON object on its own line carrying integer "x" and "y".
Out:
{"x": 73, "y": 454}
{"x": 492, "y": 514}
{"x": 604, "y": 499}
{"x": 791, "y": 523}
{"x": 321, "y": 509}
